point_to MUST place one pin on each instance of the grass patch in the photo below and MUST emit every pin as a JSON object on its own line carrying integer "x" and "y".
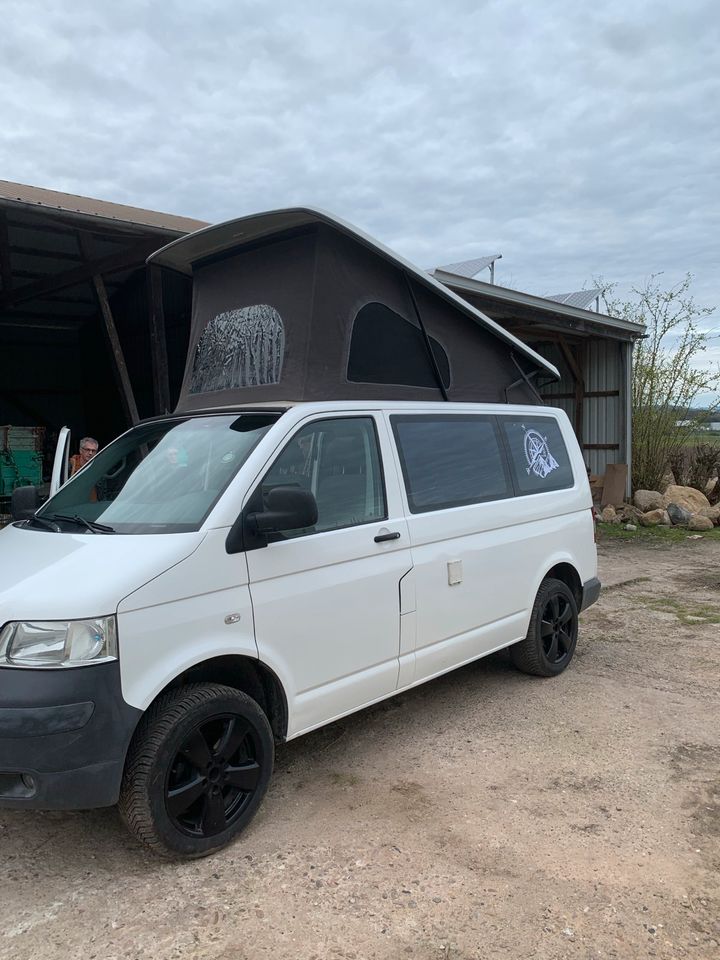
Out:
{"x": 688, "y": 613}
{"x": 659, "y": 535}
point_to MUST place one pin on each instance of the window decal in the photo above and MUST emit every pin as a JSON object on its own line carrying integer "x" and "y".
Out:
{"x": 537, "y": 453}
{"x": 538, "y": 456}
{"x": 243, "y": 347}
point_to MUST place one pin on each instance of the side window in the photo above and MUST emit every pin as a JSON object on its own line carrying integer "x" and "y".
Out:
{"x": 404, "y": 357}
{"x": 450, "y": 461}
{"x": 339, "y": 462}
{"x": 538, "y": 456}
{"x": 239, "y": 348}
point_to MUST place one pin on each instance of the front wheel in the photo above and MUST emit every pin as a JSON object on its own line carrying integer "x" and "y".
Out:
{"x": 197, "y": 770}
{"x": 552, "y": 636}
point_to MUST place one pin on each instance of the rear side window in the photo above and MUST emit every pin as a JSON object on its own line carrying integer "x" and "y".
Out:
{"x": 450, "y": 461}
{"x": 538, "y": 455}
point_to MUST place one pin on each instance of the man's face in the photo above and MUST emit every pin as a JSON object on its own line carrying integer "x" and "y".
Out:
{"x": 87, "y": 452}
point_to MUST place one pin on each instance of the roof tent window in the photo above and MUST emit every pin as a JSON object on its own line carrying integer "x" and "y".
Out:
{"x": 387, "y": 348}
{"x": 239, "y": 348}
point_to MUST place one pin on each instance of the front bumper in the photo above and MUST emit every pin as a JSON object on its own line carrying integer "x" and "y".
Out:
{"x": 64, "y": 735}
{"x": 590, "y": 593}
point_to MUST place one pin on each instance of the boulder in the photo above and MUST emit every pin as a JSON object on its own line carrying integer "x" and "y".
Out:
{"x": 696, "y": 522}
{"x": 712, "y": 513}
{"x": 652, "y": 518}
{"x": 678, "y": 515}
{"x": 628, "y": 513}
{"x": 646, "y": 500}
{"x": 666, "y": 521}
{"x": 608, "y": 515}
{"x": 688, "y": 497}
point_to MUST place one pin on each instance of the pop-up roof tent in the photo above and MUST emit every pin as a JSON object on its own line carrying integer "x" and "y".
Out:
{"x": 296, "y": 305}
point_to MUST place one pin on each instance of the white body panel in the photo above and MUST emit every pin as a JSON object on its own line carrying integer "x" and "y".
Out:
{"x": 50, "y": 576}
{"x": 500, "y": 551}
{"x": 341, "y": 620}
{"x": 178, "y": 619}
{"x": 327, "y": 611}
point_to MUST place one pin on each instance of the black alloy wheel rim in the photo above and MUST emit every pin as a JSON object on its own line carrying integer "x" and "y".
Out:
{"x": 213, "y": 776}
{"x": 557, "y": 629}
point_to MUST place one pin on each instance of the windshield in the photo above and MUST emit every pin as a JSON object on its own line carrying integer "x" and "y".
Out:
{"x": 160, "y": 477}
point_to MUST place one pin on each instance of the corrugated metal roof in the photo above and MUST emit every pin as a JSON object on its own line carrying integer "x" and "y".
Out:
{"x": 544, "y": 304}
{"x": 579, "y": 298}
{"x": 469, "y": 268}
{"x": 39, "y": 197}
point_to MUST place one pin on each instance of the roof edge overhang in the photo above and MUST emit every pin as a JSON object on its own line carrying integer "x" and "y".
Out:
{"x": 506, "y": 295}
{"x": 232, "y": 235}
{"x": 86, "y": 210}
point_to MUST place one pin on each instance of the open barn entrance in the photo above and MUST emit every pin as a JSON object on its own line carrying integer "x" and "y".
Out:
{"x": 90, "y": 337}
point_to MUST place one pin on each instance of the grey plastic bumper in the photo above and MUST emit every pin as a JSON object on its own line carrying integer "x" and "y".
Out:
{"x": 590, "y": 593}
{"x": 64, "y": 735}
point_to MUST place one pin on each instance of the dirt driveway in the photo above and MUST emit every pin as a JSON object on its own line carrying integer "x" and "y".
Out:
{"x": 484, "y": 815}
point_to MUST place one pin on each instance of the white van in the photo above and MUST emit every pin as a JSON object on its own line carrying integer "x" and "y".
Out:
{"x": 257, "y": 573}
{"x": 250, "y": 568}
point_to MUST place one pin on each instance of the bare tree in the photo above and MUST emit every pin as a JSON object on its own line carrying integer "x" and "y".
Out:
{"x": 667, "y": 380}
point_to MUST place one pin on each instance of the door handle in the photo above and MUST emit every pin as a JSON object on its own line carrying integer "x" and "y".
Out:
{"x": 382, "y": 537}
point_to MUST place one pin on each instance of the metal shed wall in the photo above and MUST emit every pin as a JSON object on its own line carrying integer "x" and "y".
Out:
{"x": 605, "y": 418}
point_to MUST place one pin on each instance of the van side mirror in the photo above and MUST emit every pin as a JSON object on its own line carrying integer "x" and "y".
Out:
{"x": 287, "y": 508}
{"x": 24, "y": 501}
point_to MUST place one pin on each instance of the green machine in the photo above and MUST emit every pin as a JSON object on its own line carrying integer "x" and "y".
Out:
{"x": 21, "y": 458}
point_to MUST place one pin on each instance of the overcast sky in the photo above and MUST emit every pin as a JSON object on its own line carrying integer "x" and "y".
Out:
{"x": 576, "y": 138}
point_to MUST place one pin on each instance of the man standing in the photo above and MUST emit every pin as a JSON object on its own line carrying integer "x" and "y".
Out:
{"x": 88, "y": 449}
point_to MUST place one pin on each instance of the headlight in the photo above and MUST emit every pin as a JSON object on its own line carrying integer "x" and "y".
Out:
{"x": 58, "y": 643}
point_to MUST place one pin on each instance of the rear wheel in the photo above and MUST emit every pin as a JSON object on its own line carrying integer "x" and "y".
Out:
{"x": 197, "y": 770}
{"x": 552, "y": 636}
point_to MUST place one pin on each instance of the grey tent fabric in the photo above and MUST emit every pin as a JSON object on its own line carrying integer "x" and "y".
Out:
{"x": 281, "y": 319}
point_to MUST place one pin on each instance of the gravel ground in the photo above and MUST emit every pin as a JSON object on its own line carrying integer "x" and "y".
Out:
{"x": 487, "y": 814}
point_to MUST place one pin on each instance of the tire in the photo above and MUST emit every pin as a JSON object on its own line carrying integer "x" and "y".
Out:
{"x": 552, "y": 636}
{"x": 197, "y": 770}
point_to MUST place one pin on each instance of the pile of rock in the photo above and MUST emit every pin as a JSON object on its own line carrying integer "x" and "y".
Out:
{"x": 678, "y": 506}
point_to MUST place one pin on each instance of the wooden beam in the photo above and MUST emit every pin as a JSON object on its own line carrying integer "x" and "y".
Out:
{"x": 579, "y": 378}
{"x": 120, "y": 367}
{"x": 5, "y": 268}
{"x": 56, "y": 326}
{"x": 589, "y": 395}
{"x": 97, "y": 226}
{"x": 158, "y": 341}
{"x": 133, "y": 257}
{"x": 47, "y": 254}
{"x": 570, "y": 359}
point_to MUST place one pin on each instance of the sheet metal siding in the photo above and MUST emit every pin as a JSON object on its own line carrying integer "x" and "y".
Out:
{"x": 603, "y": 417}
{"x": 603, "y": 421}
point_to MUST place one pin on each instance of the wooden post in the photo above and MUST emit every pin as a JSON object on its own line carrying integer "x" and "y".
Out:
{"x": 579, "y": 379}
{"x": 5, "y": 270}
{"x": 120, "y": 367}
{"x": 158, "y": 342}
{"x": 120, "y": 371}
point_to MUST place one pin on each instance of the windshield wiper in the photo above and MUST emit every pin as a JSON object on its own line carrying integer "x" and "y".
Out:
{"x": 90, "y": 525}
{"x": 48, "y": 524}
